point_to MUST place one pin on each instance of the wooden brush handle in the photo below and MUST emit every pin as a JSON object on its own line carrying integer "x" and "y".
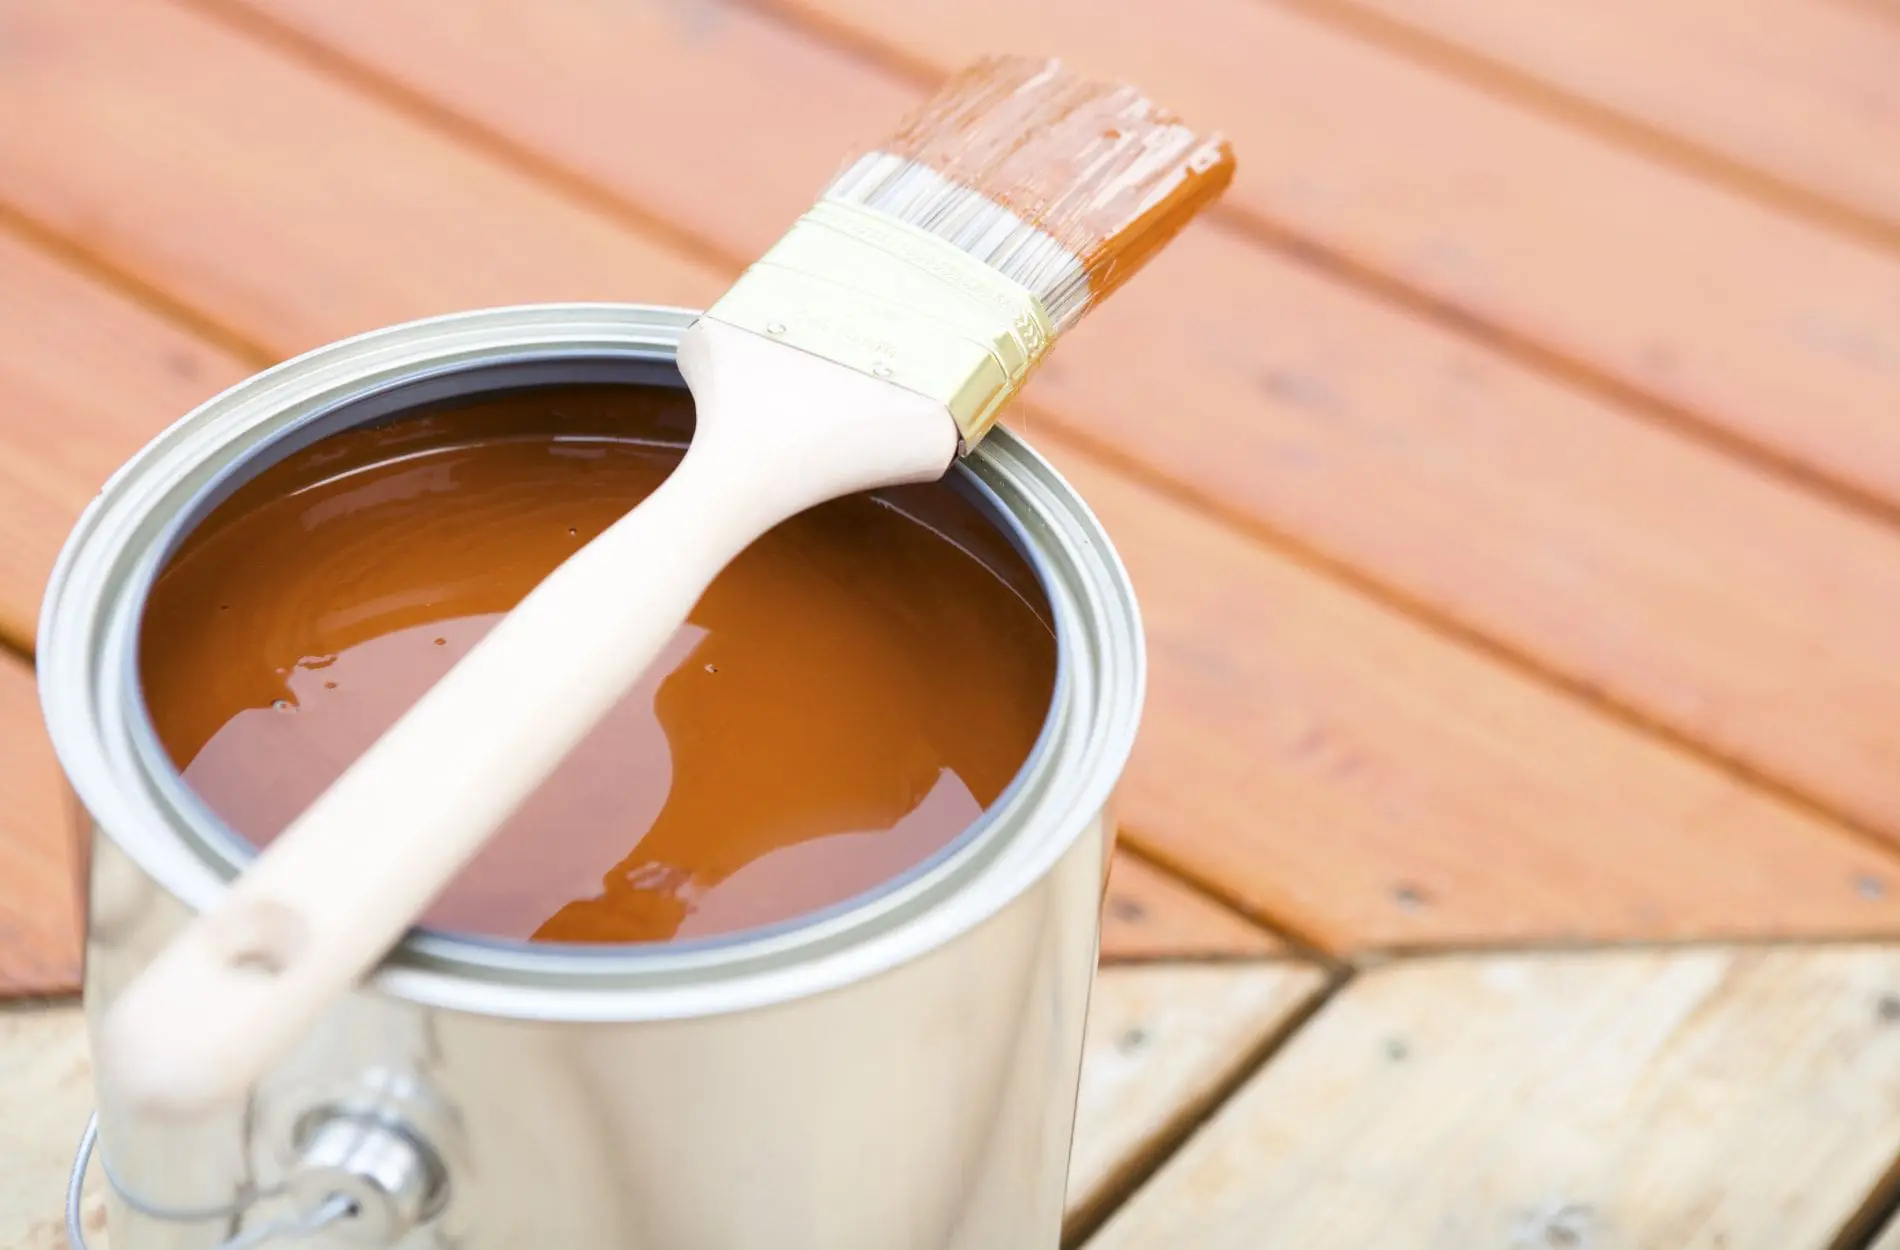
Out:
{"x": 777, "y": 432}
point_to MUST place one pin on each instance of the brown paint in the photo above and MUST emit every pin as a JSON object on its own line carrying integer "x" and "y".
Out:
{"x": 849, "y": 695}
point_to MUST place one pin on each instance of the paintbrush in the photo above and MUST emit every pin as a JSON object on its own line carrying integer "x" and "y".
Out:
{"x": 875, "y": 342}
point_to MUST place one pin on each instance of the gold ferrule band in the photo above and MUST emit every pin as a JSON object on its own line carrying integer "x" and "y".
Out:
{"x": 864, "y": 290}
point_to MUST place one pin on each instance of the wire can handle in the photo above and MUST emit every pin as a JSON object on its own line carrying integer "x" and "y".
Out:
{"x": 331, "y": 1210}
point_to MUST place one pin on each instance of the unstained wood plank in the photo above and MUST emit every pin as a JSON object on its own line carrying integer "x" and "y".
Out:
{"x": 1803, "y": 93}
{"x": 1151, "y": 914}
{"x": 1700, "y": 1100}
{"x": 39, "y": 892}
{"x": 86, "y": 377}
{"x": 1709, "y": 598}
{"x": 45, "y": 1097}
{"x": 274, "y": 200}
{"x": 1772, "y": 328}
{"x": 1161, "y": 1041}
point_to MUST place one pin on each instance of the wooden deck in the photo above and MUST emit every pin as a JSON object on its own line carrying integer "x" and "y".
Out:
{"x": 1510, "y": 471}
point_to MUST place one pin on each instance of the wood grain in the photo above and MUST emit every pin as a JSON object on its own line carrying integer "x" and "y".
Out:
{"x": 1705, "y": 596}
{"x": 1151, "y": 914}
{"x": 1706, "y": 1100}
{"x": 274, "y": 200}
{"x": 1308, "y": 755}
{"x": 1365, "y": 783}
{"x": 1163, "y": 1042}
{"x": 45, "y": 1097}
{"x": 1318, "y": 759}
{"x": 39, "y": 916}
{"x": 1804, "y": 94}
{"x": 713, "y": 115}
{"x": 86, "y": 377}
{"x": 1777, "y": 331}
{"x": 1736, "y": 610}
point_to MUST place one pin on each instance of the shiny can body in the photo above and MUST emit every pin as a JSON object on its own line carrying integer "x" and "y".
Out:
{"x": 898, "y": 1073}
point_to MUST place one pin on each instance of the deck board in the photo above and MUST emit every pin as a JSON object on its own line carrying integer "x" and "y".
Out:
{"x": 86, "y": 377}
{"x": 1704, "y": 596}
{"x": 1149, "y": 914}
{"x": 275, "y": 201}
{"x": 721, "y": 119}
{"x": 1351, "y": 780}
{"x": 1732, "y": 609}
{"x": 1163, "y": 1042}
{"x": 1701, "y": 1100}
{"x": 39, "y": 892}
{"x": 1695, "y": 71}
{"x": 1587, "y": 254}
{"x": 45, "y": 1097}
{"x": 1352, "y": 776}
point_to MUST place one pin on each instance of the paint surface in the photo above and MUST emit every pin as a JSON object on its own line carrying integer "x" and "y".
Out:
{"x": 848, "y": 697}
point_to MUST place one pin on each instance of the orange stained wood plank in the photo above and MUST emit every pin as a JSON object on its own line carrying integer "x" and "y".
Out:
{"x": 1703, "y": 594}
{"x": 1316, "y": 757}
{"x": 270, "y": 197}
{"x": 1806, "y": 94}
{"x": 1367, "y": 784}
{"x": 711, "y": 114}
{"x": 1151, "y": 914}
{"x": 39, "y": 935}
{"x": 1743, "y": 613}
{"x": 1772, "y": 328}
{"x": 1308, "y": 753}
{"x": 86, "y": 377}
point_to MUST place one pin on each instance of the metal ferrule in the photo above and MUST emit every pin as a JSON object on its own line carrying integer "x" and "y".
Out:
{"x": 867, "y": 291}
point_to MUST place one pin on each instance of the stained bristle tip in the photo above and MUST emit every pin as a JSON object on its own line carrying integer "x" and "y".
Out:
{"x": 1067, "y": 185}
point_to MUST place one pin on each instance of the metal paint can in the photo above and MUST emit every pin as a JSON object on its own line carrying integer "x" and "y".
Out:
{"x": 897, "y": 1073}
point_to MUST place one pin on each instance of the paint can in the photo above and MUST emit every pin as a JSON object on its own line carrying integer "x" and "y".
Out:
{"x": 896, "y": 1073}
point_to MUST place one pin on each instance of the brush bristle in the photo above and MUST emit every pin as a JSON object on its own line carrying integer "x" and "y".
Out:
{"x": 1067, "y": 186}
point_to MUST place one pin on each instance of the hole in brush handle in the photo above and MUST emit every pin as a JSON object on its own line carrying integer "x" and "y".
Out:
{"x": 259, "y": 937}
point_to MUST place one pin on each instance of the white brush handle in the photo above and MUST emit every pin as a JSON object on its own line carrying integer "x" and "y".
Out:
{"x": 777, "y": 432}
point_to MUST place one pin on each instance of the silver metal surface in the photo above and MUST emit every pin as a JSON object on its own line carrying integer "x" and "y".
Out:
{"x": 896, "y": 1073}
{"x": 390, "y": 1179}
{"x": 329, "y": 1210}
